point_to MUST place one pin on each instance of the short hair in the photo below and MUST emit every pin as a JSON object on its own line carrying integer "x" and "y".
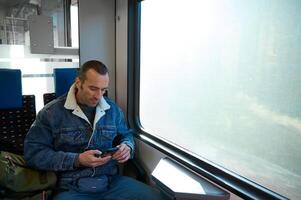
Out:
{"x": 98, "y": 66}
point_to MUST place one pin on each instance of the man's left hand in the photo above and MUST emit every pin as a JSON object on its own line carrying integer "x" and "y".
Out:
{"x": 123, "y": 153}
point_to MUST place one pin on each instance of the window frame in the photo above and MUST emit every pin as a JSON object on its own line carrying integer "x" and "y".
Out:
{"x": 228, "y": 180}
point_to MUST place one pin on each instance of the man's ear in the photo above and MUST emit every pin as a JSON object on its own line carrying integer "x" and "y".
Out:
{"x": 77, "y": 82}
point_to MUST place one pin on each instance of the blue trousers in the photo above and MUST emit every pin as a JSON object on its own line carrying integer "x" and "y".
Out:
{"x": 120, "y": 188}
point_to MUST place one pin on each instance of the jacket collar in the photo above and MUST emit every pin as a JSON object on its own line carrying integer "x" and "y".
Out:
{"x": 71, "y": 103}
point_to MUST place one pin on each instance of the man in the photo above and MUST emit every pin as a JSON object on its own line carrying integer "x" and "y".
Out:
{"x": 70, "y": 135}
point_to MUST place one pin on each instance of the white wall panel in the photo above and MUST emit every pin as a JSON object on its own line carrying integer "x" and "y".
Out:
{"x": 97, "y": 34}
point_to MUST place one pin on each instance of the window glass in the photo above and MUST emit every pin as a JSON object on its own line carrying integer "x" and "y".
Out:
{"x": 221, "y": 78}
{"x": 15, "y": 50}
{"x": 74, "y": 23}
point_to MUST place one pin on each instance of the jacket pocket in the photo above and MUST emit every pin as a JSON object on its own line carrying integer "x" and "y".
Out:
{"x": 71, "y": 139}
{"x": 108, "y": 133}
{"x": 104, "y": 137}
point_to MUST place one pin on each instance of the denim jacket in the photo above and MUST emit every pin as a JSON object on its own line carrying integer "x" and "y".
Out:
{"x": 59, "y": 134}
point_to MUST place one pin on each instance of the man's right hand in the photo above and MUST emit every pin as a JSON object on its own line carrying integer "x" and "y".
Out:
{"x": 88, "y": 158}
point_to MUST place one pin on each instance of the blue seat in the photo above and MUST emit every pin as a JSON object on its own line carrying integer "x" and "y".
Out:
{"x": 63, "y": 79}
{"x": 17, "y": 111}
{"x": 10, "y": 89}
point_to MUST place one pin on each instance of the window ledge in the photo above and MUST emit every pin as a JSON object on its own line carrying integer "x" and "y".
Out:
{"x": 178, "y": 182}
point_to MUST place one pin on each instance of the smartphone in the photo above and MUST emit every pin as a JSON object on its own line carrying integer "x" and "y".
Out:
{"x": 106, "y": 152}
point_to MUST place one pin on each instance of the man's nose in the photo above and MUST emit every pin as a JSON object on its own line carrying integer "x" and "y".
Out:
{"x": 98, "y": 94}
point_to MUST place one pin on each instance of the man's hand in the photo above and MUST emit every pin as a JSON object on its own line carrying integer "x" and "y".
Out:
{"x": 123, "y": 153}
{"x": 89, "y": 159}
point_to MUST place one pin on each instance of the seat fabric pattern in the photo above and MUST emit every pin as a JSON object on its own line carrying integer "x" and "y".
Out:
{"x": 15, "y": 123}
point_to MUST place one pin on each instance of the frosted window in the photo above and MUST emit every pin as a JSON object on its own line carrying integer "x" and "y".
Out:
{"x": 222, "y": 79}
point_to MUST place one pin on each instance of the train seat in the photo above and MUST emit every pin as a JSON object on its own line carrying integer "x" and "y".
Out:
{"x": 11, "y": 91}
{"x": 63, "y": 79}
{"x": 17, "y": 111}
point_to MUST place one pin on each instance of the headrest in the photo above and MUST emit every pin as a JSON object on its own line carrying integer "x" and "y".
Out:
{"x": 63, "y": 79}
{"x": 10, "y": 88}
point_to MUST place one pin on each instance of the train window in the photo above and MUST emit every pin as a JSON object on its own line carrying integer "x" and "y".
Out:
{"x": 74, "y": 23}
{"x": 15, "y": 53}
{"x": 221, "y": 78}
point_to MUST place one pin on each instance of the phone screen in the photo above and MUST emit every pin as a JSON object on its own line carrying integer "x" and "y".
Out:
{"x": 107, "y": 152}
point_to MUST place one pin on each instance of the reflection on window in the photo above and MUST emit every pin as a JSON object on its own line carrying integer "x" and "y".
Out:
{"x": 15, "y": 52}
{"x": 74, "y": 24}
{"x": 221, "y": 78}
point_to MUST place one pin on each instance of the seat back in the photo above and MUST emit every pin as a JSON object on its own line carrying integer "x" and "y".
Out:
{"x": 47, "y": 97}
{"x": 17, "y": 112}
{"x": 63, "y": 79}
{"x": 10, "y": 88}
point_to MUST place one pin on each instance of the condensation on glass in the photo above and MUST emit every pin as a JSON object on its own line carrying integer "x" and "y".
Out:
{"x": 222, "y": 78}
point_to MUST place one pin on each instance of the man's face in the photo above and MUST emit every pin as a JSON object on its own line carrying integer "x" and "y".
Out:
{"x": 91, "y": 90}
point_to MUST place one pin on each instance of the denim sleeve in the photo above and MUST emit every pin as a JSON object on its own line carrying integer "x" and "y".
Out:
{"x": 125, "y": 132}
{"x": 39, "y": 151}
